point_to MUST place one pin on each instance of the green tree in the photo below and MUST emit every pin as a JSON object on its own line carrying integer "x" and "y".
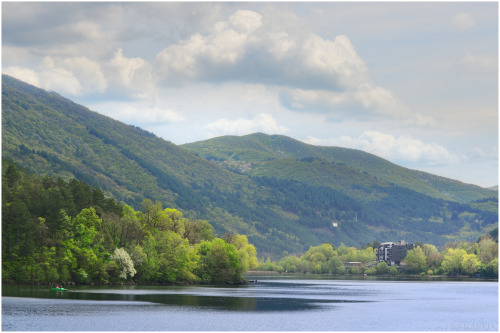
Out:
{"x": 290, "y": 264}
{"x": 219, "y": 262}
{"x": 246, "y": 252}
{"x": 452, "y": 263}
{"x": 171, "y": 257}
{"x": 336, "y": 266}
{"x": 487, "y": 249}
{"x": 382, "y": 268}
{"x": 198, "y": 230}
{"x": 470, "y": 264}
{"x": 415, "y": 260}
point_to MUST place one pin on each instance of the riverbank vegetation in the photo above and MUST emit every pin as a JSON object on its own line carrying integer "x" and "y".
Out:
{"x": 465, "y": 258}
{"x": 66, "y": 231}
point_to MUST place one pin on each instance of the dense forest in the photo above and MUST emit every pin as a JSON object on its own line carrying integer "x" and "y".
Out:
{"x": 57, "y": 231}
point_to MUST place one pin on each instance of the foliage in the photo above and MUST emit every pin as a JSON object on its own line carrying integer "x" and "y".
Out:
{"x": 456, "y": 259}
{"x": 123, "y": 258}
{"x": 281, "y": 193}
{"x": 55, "y": 230}
{"x": 415, "y": 261}
{"x": 218, "y": 262}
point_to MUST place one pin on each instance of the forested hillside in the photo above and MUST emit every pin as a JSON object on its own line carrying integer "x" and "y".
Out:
{"x": 274, "y": 155}
{"x": 54, "y": 230}
{"x": 281, "y": 201}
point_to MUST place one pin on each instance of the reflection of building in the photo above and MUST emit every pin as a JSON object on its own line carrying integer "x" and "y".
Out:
{"x": 393, "y": 253}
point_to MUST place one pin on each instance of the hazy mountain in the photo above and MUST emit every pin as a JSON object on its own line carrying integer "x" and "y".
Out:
{"x": 282, "y": 193}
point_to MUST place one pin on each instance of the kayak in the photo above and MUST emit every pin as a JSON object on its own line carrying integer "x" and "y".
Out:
{"x": 59, "y": 289}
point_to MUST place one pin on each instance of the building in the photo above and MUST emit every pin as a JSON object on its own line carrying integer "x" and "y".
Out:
{"x": 352, "y": 264}
{"x": 393, "y": 253}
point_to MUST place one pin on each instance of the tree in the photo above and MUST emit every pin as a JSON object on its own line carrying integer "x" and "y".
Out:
{"x": 470, "y": 264}
{"x": 415, "y": 261}
{"x": 219, "y": 262}
{"x": 452, "y": 263}
{"x": 382, "y": 268}
{"x": 124, "y": 260}
{"x": 246, "y": 252}
{"x": 290, "y": 264}
{"x": 198, "y": 230}
{"x": 336, "y": 266}
{"x": 487, "y": 249}
{"x": 171, "y": 257}
{"x": 393, "y": 270}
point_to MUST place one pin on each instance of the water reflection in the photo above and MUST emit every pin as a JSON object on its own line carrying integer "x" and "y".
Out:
{"x": 273, "y": 305}
{"x": 263, "y": 298}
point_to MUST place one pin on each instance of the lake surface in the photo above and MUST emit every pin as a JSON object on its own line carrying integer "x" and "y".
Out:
{"x": 277, "y": 303}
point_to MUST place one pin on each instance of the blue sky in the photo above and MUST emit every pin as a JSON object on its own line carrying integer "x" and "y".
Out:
{"x": 415, "y": 83}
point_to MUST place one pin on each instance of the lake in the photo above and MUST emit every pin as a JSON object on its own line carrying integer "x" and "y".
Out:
{"x": 275, "y": 303}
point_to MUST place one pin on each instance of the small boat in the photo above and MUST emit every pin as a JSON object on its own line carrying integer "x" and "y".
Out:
{"x": 59, "y": 289}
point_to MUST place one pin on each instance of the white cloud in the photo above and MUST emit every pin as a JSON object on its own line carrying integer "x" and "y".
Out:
{"x": 72, "y": 75}
{"x": 403, "y": 149}
{"x": 225, "y": 45}
{"x": 335, "y": 59}
{"x": 463, "y": 21}
{"x": 249, "y": 48}
{"x": 138, "y": 112}
{"x": 134, "y": 75}
{"x": 24, "y": 74}
{"x": 263, "y": 122}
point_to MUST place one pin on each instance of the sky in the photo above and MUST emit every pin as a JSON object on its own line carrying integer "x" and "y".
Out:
{"x": 414, "y": 83}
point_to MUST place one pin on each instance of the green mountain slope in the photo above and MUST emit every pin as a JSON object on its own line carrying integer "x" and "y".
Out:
{"x": 281, "y": 193}
{"x": 256, "y": 154}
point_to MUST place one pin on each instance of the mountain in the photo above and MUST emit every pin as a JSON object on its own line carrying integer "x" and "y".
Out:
{"x": 263, "y": 155}
{"x": 283, "y": 194}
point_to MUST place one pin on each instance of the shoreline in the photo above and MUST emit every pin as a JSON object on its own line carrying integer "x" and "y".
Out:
{"x": 374, "y": 277}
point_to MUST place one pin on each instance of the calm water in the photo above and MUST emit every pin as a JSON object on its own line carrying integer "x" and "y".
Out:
{"x": 274, "y": 304}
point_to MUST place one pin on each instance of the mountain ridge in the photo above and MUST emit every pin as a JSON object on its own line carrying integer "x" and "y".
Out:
{"x": 49, "y": 134}
{"x": 225, "y": 149}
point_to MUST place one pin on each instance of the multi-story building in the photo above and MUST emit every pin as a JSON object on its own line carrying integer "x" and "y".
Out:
{"x": 393, "y": 252}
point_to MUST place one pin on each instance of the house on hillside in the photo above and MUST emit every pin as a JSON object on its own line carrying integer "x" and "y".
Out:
{"x": 393, "y": 252}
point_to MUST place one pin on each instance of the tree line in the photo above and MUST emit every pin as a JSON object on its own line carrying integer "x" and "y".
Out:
{"x": 56, "y": 231}
{"x": 456, "y": 258}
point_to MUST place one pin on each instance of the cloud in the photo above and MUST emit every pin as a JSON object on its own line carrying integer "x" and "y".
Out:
{"x": 463, "y": 21}
{"x": 72, "y": 75}
{"x": 311, "y": 73}
{"x": 479, "y": 62}
{"x": 365, "y": 102}
{"x": 194, "y": 58}
{"x": 140, "y": 112}
{"x": 23, "y": 74}
{"x": 397, "y": 149}
{"x": 132, "y": 75}
{"x": 62, "y": 75}
{"x": 263, "y": 122}
{"x": 61, "y": 29}
{"x": 77, "y": 76}
{"x": 248, "y": 48}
